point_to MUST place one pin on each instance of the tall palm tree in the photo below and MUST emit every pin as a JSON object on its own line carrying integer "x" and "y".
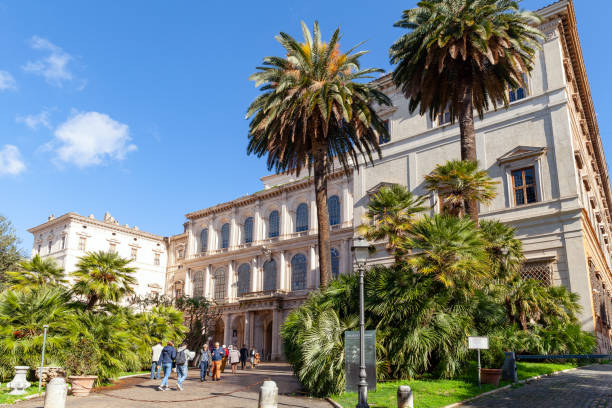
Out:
{"x": 505, "y": 251}
{"x": 103, "y": 277}
{"x": 36, "y": 272}
{"x": 389, "y": 215}
{"x": 314, "y": 112}
{"x": 461, "y": 56}
{"x": 459, "y": 183}
{"x": 449, "y": 248}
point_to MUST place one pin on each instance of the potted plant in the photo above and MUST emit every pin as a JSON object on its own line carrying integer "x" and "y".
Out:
{"x": 81, "y": 361}
{"x": 492, "y": 358}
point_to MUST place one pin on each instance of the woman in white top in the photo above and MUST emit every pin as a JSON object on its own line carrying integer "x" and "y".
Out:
{"x": 234, "y": 358}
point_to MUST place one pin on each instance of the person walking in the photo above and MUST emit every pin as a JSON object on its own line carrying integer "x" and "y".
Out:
{"x": 224, "y": 360}
{"x": 244, "y": 353}
{"x": 217, "y": 354}
{"x": 155, "y": 353}
{"x": 166, "y": 358}
{"x": 205, "y": 362}
{"x": 234, "y": 359}
{"x": 252, "y": 357}
{"x": 183, "y": 355}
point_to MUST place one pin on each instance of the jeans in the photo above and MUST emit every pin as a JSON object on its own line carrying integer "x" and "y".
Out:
{"x": 181, "y": 373}
{"x": 204, "y": 369}
{"x": 167, "y": 370}
{"x": 155, "y": 369}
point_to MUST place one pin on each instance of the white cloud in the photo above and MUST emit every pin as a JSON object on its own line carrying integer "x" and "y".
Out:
{"x": 54, "y": 67}
{"x": 7, "y": 82}
{"x": 89, "y": 138}
{"x": 10, "y": 160}
{"x": 34, "y": 121}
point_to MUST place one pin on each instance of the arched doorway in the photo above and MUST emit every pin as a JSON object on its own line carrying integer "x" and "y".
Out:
{"x": 218, "y": 331}
{"x": 267, "y": 352}
{"x": 237, "y": 334}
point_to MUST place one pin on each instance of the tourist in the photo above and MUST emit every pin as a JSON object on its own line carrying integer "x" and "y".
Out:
{"x": 183, "y": 355}
{"x": 252, "y": 356}
{"x": 217, "y": 355}
{"x": 205, "y": 362}
{"x": 155, "y": 353}
{"x": 243, "y": 356}
{"x": 224, "y": 360}
{"x": 234, "y": 359}
{"x": 166, "y": 359}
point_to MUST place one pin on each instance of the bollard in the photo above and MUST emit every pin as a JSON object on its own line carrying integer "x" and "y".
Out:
{"x": 404, "y": 397}
{"x": 268, "y": 395}
{"x": 509, "y": 367}
{"x": 55, "y": 394}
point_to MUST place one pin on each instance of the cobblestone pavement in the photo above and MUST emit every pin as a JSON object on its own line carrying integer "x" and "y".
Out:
{"x": 588, "y": 387}
{"x": 243, "y": 389}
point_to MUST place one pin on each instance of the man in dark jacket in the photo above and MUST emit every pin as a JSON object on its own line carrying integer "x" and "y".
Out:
{"x": 167, "y": 357}
{"x": 217, "y": 354}
{"x": 244, "y": 353}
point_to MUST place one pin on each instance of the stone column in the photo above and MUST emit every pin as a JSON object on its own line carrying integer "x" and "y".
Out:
{"x": 207, "y": 282}
{"x": 314, "y": 226}
{"x": 347, "y": 255}
{"x": 247, "y": 329}
{"x": 346, "y": 203}
{"x": 234, "y": 232}
{"x": 227, "y": 336}
{"x": 251, "y": 339}
{"x": 229, "y": 281}
{"x": 257, "y": 230}
{"x": 276, "y": 316}
{"x": 188, "y": 287}
{"x": 254, "y": 275}
{"x": 284, "y": 227}
{"x": 282, "y": 278}
{"x": 312, "y": 270}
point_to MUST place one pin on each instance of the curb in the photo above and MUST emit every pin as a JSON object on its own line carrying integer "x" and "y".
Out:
{"x": 333, "y": 403}
{"x": 527, "y": 381}
{"x": 131, "y": 375}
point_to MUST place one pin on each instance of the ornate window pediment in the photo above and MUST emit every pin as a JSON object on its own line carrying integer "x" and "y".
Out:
{"x": 520, "y": 153}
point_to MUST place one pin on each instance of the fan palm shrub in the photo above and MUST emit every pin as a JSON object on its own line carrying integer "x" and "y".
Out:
{"x": 461, "y": 56}
{"x": 504, "y": 250}
{"x": 103, "y": 277}
{"x": 314, "y": 111}
{"x": 459, "y": 182}
{"x": 36, "y": 272}
{"x": 389, "y": 215}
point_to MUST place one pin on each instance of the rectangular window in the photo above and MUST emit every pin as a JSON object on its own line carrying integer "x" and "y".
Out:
{"x": 381, "y": 138}
{"x": 518, "y": 93}
{"x": 134, "y": 253}
{"x": 49, "y": 247}
{"x": 82, "y": 243}
{"x": 444, "y": 118}
{"x": 156, "y": 260}
{"x": 524, "y": 186}
{"x": 112, "y": 247}
{"x": 63, "y": 242}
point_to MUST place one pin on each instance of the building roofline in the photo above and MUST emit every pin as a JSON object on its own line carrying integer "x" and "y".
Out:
{"x": 92, "y": 221}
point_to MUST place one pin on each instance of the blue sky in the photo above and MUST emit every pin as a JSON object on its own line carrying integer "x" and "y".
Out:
{"x": 137, "y": 107}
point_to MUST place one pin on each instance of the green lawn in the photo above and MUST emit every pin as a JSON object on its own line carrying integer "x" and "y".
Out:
{"x": 5, "y": 398}
{"x": 430, "y": 393}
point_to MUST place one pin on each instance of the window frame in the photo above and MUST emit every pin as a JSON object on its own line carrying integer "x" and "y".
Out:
{"x": 204, "y": 243}
{"x": 329, "y": 212}
{"x": 387, "y": 124}
{"x": 219, "y": 286}
{"x": 274, "y": 233}
{"x": 525, "y": 186}
{"x": 239, "y": 283}
{"x": 303, "y": 281}
{"x": 267, "y": 272}
{"x": 225, "y": 240}
{"x": 198, "y": 284}
{"x": 248, "y": 230}
{"x": 301, "y": 218}
{"x": 337, "y": 257}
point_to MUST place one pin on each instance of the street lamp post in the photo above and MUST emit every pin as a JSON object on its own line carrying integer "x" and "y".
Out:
{"x": 42, "y": 360}
{"x": 360, "y": 250}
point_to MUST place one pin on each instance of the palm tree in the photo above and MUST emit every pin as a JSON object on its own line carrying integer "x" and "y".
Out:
{"x": 461, "y": 55}
{"x": 449, "y": 248}
{"x": 459, "y": 183}
{"x": 313, "y": 113}
{"x": 390, "y": 214}
{"x": 103, "y": 277}
{"x": 36, "y": 272}
{"x": 505, "y": 251}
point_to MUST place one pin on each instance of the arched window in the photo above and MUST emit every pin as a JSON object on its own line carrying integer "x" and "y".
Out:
{"x": 333, "y": 206}
{"x": 248, "y": 230}
{"x": 335, "y": 262}
{"x": 301, "y": 218}
{"x": 225, "y": 230}
{"x": 220, "y": 283}
{"x": 273, "y": 224}
{"x": 244, "y": 279}
{"x": 198, "y": 284}
{"x": 269, "y": 281}
{"x": 204, "y": 239}
{"x": 298, "y": 272}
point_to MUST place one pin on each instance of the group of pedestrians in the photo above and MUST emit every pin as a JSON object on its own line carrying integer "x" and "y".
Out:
{"x": 212, "y": 361}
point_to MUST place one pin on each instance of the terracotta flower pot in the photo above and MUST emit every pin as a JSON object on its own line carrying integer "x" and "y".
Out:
{"x": 490, "y": 375}
{"x": 82, "y": 384}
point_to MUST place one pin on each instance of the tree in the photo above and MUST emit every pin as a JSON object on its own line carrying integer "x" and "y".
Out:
{"x": 103, "y": 277}
{"x": 461, "y": 56}
{"x": 200, "y": 313}
{"x": 36, "y": 272}
{"x": 449, "y": 248}
{"x": 390, "y": 214}
{"x": 312, "y": 113}
{"x": 505, "y": 251}
{"x": 459, "y": 182}
{"x": 9, "y": 253}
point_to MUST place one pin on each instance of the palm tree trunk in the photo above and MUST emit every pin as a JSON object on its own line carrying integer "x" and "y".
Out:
{"x": 320, "y": 183}
{"x": 468, "y": 140}
{"x": 93, "y": 299}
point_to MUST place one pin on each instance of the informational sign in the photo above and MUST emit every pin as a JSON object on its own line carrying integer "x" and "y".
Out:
{"x": 351, "y": 359}
{"x": 480, "y": 343}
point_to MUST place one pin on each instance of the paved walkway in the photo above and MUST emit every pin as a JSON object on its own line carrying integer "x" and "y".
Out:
{"x": 588, "y": 387}
{"x": 233, "y": 391}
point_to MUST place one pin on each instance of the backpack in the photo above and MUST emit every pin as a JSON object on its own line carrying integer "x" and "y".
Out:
{"x": 181, "y": 358}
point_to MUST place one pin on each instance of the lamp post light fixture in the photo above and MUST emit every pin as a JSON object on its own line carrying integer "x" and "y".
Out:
{"x": 361, "y": 251}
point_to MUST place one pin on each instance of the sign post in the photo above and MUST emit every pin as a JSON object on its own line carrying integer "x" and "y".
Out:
{"x": 478, "y": 343}
{"x": 352, "y": 353}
